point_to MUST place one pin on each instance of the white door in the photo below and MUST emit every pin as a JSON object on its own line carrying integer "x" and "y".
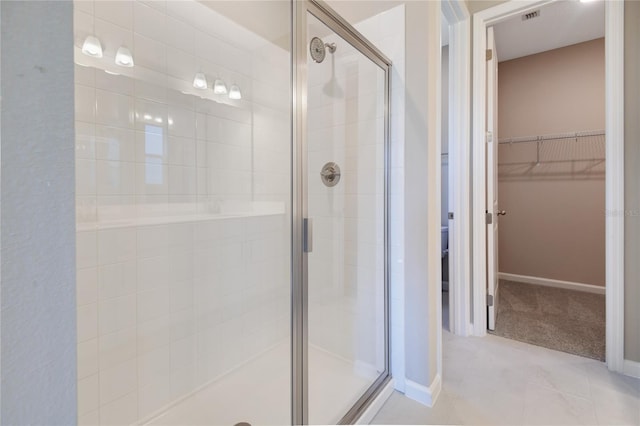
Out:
{"x": 492, "y": 180}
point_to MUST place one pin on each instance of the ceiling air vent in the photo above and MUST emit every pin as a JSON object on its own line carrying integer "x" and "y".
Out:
{"x": 531, "y": 15}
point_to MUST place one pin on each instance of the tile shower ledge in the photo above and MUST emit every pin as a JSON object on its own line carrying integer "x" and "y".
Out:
{"x": 172, "y": 219}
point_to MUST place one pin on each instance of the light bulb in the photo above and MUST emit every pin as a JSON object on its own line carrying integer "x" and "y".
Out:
{"x": 219, "y": 88}
{"x": 124, "y": 58}
{"x": 200, "y": 81}
{"x": 92, "y": 47}
{"x": 234, "y": 92}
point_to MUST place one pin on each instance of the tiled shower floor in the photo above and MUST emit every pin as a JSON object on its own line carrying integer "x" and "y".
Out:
{"x": 259, "y": 393}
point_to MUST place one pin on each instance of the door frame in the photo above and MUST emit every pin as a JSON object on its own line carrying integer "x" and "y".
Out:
{"x": 614, "y": 181}
{"x": 459, "y": 125}
{"x": 299, "y": 265}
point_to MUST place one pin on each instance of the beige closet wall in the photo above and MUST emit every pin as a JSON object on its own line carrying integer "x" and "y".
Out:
{"x": 555, "y": 225}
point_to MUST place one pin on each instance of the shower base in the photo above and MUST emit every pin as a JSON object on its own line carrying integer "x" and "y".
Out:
{"x": 259, "y": 392}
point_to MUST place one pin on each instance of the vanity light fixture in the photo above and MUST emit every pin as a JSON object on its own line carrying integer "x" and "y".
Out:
{"x": 124, "y": 57}
{"x": 200, "y": 81}
{"x": 219, "y": 88}
{"x": 92, "y": 47}
{"x": 234, "y": 92}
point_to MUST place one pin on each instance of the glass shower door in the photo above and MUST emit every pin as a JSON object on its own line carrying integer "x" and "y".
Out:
{"x": 345, "y": 202}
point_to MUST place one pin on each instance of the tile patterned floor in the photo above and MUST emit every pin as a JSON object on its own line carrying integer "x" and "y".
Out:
{"x": 497, "y": 381}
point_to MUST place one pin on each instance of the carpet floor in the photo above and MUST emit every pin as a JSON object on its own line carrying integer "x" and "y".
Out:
{"x": 565, "y": 320}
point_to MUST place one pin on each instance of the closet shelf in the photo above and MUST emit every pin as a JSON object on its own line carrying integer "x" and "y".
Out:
{"x": 559, "y": 136}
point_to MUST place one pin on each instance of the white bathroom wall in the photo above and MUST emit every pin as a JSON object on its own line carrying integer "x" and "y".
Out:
{"x": 37, "y": 284}
{"x": 182, "y": 201}
{"x": 345, "y": 268}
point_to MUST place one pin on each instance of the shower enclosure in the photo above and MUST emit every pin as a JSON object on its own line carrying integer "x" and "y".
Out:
{"x": 231, "y": 177}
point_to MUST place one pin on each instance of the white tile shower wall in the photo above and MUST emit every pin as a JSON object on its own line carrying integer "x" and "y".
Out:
{"x": 387, "y": 32}
{"x": 346, "y": 267}
{"x": 170, "y": 294}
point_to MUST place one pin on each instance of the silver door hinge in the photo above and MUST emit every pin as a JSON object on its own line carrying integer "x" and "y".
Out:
{"x": 489, "y": 54}
{"x": 488, "y": 218}
{"x": 450, "y": 215}
{"x": 489, "y": 300}
{"x": 489, "y": 137}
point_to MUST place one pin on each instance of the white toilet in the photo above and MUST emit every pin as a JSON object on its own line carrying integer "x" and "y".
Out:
{"x": 445, "y": 240}
{"x": 445, "y": 262}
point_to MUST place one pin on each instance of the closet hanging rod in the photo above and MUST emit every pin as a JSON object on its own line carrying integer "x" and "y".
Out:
{"x": 558, "y": 136}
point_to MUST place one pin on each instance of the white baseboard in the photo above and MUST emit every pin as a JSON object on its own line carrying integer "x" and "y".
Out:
{"x": 631, "y": 368}
{"x": 569, "y": 285}
{"x": 424, "y": 395}
{"x": 375, "y": 406}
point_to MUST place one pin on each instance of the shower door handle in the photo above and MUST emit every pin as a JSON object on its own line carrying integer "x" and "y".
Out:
{"x": 307, "y": 230}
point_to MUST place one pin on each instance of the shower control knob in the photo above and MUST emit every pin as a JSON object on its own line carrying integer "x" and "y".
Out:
{"x": 330, "y": 174}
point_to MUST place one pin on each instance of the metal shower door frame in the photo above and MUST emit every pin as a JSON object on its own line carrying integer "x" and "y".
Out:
{"x": 299, "y": 265}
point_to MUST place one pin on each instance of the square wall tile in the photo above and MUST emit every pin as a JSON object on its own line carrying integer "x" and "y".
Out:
{"x": 154, "y": 396}
{"x": 117, "y": 314}
{"x": 116, "y": 245}
{"x": 116, "y": 348}
{"x": 149, "y": 22}
{"x": 117, "y": 279}
{"x": 86, "y": 249}
{"x": 86, "y": 286}
{"x": 154, "y": 365}
{"x": 118, "y": 381}
{"x": 88, "y": 394}
{"x": 154, "y": 334}
{"x": 113, "y": 109}
{"x": 92, "y": 418}
{"x": 180, "y": 35}
{"x": 153, "y": 303}
{"x": 87, "y": 358}
{"x": 121, "y": 411}
{"x": 115, "y": 12}
{"x": 85, "y": 103}
{"x": 115, "y": 144}
{"x": 87, "y": 324}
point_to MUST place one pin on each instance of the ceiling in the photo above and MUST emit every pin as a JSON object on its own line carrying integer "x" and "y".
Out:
{"x": 355, "y": 11}
{"x": 560, "y": 24}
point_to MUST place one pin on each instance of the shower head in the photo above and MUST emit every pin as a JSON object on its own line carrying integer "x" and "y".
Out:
{"x": 318, "y": 49}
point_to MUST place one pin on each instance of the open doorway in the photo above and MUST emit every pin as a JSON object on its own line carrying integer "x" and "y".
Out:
{"x": 545, "y": 177}
{"x": 445, "y": 187}
{"x": 614, "y": 73}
